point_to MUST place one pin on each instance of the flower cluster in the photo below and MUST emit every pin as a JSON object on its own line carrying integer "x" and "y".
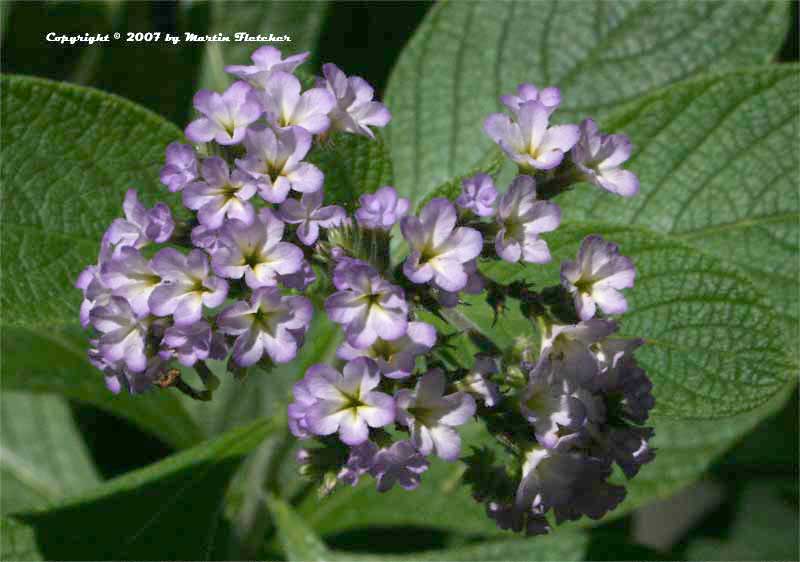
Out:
{"x": 262, "y": 245}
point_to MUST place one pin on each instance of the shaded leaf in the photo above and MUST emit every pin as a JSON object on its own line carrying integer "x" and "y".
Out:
{"x": 298, "y": 540}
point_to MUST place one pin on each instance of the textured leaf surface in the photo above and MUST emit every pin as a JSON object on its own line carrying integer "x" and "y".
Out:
{"x": 300, "y": 543}
{"x": 17, "y": 541}
{"x": 42, "y": 456}
{"x": 718, "y": 166}
{"x": 466, "y": 54}
{"x": 169, "y": 510}
{"x": 301, "y": 21}
{"x": 68, "y": 155}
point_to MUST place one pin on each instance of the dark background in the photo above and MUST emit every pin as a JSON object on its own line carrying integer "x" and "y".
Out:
{"x": 365, "y": 38}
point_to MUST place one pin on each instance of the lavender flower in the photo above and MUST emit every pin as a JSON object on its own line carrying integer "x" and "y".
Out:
{"x": 347, "y": 402}
{"x": 569, "y": 347}
{"x": 354, "y": 111}
{"x": 401, "y": 463}
{"x": 439, "y": 250}
{"x": 368, "y": 307}
{"x": 522, "y": 218}
{"x": 270, "y": 323}
{"x": 95, "y": 291}
{"x": 382, "y": 209}
{"x": 550, "y": 98}
{"x": 358, "y": 463}
{"x": 132, "y": 277}
{"x": 478, "y": 195}
{"x": 508, "y": 518}
{"x": 300, "y": 279}
{"x": 256, "y": 251}
{"x": 297, "y": 410}
{"x": 478, "y": 382}
{"x": 123, "y": 334}
{"x": 530, "y": 142}
{"x": 431, "y": 416}
{"x": 206, "y": 238}
{"x": 627, "y": 446}
{"x": 140, "y": 226}
{"x": 220, "y": 195}
{"x": 225, "y": 117}
{"x": 597, "y": 276}
{"x": 181, "y": 166}
{"x": 266, "y": 61}
{"x": 285, "y": 107}
{"x": 599, "y": 158}
{"x": 396, "y": 358}
{"x": 117, "y": 376}
{"x": 275, "y": 160}
{"x": 626, "y": 383}
{"x": 310, "y": 215}
{"x": 192, "y": 343}
{"x": 187, "y": 285}
{"x": 475, "y": 285}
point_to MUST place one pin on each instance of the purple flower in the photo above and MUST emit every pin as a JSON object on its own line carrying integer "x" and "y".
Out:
{"x": 569, "y": 347}
{"x": 600, "y": 157}
{"x": 431, "y": 416}
{"x": 354, "y": 111}
{"x": 266, "y": 60}
{"x": 382, "y": 209}
{"x": 478, "y": 195}
{"x": 597, "y": 276}
{"x": 310, "y": 215}
{"x": 396, "y": 359}
{"x": 529, "y": 141}
{"x": 117, "y": 376}
{"x": 132, "y": 277}
{"x": 206, "y": 238}
{"x": 181, "y": 166}
{"x": 225, "y": 117}
{"x": 275, "y": 160}
{"x": 550, "y": 98}
{"x": 570, "y": 483}
{"x": 285, "y": 107}
{"x": 368, "y": 307}
{"x": 256, "y": 251}
{"x": 628, "y": 447}
{"x": 221, "y": 195}
{"x": 139, "y": 227}
{"x": 300, "y": 279}
{"x": 123, "y": 334}
{"x": 475, "y": 285}
{"x": 297, "y": 410}
{"x": 401, "y": 463}
{"x": 510, "y": 519}
{"x": 478, "y": 382}
{"x": 192, "y": 343}
{"x": 551, "y": 409}
{"x": 187, "y": 285}
{"x": 439, "y": 250}
{"x": 358, "y": 462}
{"x": 95, "y": 291}
{"x": 522, "y": 218}
{"x": 628, "y": 384}
{"x": 346, "y": 402}
{"x": 270, "y": 323}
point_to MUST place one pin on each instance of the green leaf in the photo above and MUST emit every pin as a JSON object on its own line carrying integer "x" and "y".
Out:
{"x": 42, "y": 456}
{"x": 68, "y": 156}
{"x": 301, "y": 21}
{"x": 169, "y": 510}
{"x": 353, "y": 165}
{"x": 717, "y": 161}
{"x": 466, "y": 54}
{"x": 299, "y": 542}
{"x": 765, "y": 527}
{"x": 17, "y": 541}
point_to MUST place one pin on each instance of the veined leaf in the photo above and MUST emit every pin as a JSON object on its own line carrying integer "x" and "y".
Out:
{"x": 68, "y": 156}
{"x": 466, "y": 54}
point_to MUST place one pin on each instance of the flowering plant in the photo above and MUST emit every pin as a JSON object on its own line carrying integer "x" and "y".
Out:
{"x": 235, "y": 281}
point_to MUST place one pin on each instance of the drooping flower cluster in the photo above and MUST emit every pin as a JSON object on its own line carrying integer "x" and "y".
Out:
{"x": 263, "y": 244}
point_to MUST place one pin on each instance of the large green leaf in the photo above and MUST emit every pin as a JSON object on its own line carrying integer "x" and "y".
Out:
{"x": 301, "y": 21}
{"x": 68, "y": 156}
{"x": 466, "y": 54}
{"x": 18, "y": 541}
{"x": 169, "y": 510}
{"x": 718, "y": 166}
{"x": 42, "y": 457}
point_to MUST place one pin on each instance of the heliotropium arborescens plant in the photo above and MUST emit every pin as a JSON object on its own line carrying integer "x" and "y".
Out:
{"x": 236, "y": 282}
